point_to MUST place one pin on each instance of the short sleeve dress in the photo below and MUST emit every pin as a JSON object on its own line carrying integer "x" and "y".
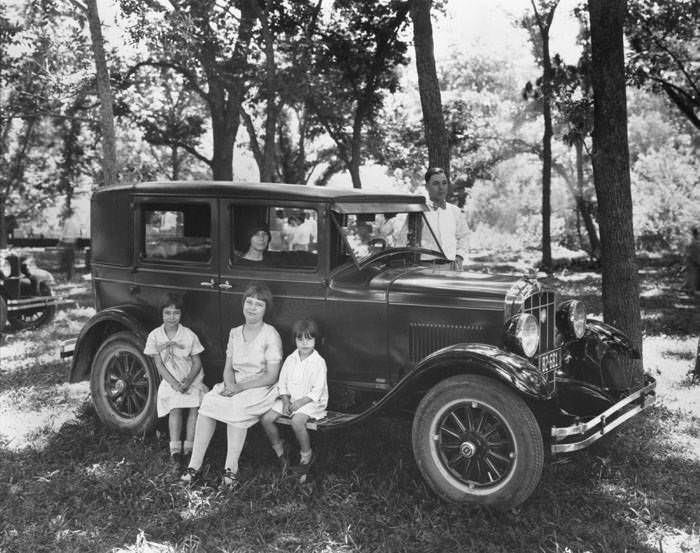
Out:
{"x": 176, "y": 355}
{"x": 304, "y": 378}
{"x": 250, "y": 358}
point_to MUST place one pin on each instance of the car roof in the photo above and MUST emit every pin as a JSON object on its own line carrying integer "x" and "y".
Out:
{"x": 264, "y": 191}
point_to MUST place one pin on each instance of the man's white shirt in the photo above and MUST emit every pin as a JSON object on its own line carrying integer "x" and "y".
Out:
{"x": 450, "y": 228}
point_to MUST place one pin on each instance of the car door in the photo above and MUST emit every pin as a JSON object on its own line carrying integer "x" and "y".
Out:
{"x": 177, "y": 247}
{"x": 291, "y": 268}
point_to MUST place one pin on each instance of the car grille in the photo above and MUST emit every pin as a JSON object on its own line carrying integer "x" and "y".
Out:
{"x": 543, "y": 307}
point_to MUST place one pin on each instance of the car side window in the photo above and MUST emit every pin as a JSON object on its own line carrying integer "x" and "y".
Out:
{"x": 274, "y": 236}
{"x": 176, "y": 233}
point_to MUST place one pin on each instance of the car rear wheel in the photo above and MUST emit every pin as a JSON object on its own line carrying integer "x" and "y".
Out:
{"x": 35, "y": 317}
{"x": 124, "y": 384}
{"x": 476, "y": 442}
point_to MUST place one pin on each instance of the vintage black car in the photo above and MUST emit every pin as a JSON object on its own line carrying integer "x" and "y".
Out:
{"x": 26, "y": 299}
{"x": 493, "y": 368}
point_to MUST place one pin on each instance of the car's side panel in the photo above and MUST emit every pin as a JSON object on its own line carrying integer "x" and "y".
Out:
{"x": 297, "y": 292}
{"x": 419, "y": 325}
{"x": 195, "y": 280}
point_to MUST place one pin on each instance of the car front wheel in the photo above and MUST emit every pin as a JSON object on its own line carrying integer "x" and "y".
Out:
{"x": 124, "y": 384}
{"x": 476, "y": 442}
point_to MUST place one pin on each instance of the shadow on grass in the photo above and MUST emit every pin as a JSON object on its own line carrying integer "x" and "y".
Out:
{"x": 90, "y": 486}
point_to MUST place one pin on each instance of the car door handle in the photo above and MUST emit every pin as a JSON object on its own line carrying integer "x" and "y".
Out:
{"x": 225, "y": 285}
{"x": 208, "y": 284}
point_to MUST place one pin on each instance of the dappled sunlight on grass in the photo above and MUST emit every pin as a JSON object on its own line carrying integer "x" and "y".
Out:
{"x": 69, "y": 484}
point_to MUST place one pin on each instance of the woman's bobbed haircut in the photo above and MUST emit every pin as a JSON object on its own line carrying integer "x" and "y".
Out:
{"x": 260, "y": 291}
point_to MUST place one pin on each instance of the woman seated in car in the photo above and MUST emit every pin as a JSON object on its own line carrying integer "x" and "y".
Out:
{"x": 258, "y": 239}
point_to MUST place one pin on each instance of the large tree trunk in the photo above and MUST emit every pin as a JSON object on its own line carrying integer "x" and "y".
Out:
{"x": 546, "y": 152}
{"x": 104, "y": 90}
{"x": 428, "y": 85}
{"x": 611, "y": 169}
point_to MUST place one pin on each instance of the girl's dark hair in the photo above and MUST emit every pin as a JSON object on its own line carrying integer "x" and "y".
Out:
{"x": 171, "y": 298}
{"x": 260, "y": 291}
{"x": 305, "y": 327}
{"x": 259, "y": 226}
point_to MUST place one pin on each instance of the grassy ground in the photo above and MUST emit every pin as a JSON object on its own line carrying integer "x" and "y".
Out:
{"x": 67, "y": 484}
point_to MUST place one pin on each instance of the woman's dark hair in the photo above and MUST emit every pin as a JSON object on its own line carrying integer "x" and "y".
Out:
{"x": 433, "y": 171}
{"x": 304, "y": 328}
{"x": 259, "y": 290}
{"x": 171, "y": 298}
{"x": 259, "y": 226}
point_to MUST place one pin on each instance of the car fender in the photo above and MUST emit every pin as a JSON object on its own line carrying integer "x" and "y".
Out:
{"x": 611, "y": 336}
{"x": 485, "y": 359}
{"x": 134, "y": 318}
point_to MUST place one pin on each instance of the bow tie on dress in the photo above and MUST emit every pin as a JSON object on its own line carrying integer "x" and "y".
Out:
{"x": 169, "y": 349}
{"x": 439, "y": 205}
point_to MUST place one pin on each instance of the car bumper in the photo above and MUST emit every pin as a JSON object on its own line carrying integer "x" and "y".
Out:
{"x": 582, "y": 434}
{"x": 67, "y": 349}
{"x": 37, "y": 301}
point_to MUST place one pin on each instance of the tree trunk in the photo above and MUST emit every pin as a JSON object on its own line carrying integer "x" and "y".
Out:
{"x": 3, "y": 226}
{"x": 109, "y": 149}
{"x": 611, "y": 169}
{"x": 546, "y": 152}
{"x": 429, "y": 87}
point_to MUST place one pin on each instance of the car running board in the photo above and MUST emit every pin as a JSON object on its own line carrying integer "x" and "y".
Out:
{"x": 332, "y": 420}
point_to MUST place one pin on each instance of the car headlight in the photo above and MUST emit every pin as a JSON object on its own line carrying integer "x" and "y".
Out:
{"x": 571, "y": 319}
{"x": 523, "y": 334}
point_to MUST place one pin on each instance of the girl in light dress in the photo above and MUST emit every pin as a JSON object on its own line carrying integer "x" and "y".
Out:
{"x": 303, "y": 395}
{"x": 175, "y": 351}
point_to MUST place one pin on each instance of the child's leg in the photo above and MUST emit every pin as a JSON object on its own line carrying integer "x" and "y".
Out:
{"x": 175, "y": 429}
{"x": 204, "y": 430}
{"x": 235, "y": 437}
{"x": 299, "y": 426}
{"x": 189, "y": 429}
{"x": 273, "y": 433}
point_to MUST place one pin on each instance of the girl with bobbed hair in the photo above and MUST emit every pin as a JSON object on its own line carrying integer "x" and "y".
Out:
{"x": 248, "y": 390}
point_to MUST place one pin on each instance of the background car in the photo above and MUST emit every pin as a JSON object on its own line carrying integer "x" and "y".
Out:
{"x": 26, "y": 298}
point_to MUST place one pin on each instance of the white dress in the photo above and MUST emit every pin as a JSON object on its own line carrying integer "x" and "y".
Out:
{"x": 250, "y": 358}
{"x": 304, "y": 378}
{"x": 176, "y": 355}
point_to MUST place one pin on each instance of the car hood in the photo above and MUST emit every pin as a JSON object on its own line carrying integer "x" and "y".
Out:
{"x": 442, "y": 282}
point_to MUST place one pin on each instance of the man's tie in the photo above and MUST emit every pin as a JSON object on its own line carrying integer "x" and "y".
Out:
{"x": 439, "y": 205}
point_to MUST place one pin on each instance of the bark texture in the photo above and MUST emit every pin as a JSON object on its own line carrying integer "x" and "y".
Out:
{"x": 611, "y": 169}
{"x": 104, "y": 90}
{"x": 428, "y": 85}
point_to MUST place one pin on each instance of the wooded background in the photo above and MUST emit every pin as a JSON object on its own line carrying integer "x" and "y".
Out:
{"x": 598, "y": 153}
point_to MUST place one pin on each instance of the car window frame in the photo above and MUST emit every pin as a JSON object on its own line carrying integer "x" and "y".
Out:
{"x": 228, "y": 226}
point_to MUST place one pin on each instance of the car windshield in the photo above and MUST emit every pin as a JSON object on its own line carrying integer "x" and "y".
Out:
{"x": 368, "y": 234}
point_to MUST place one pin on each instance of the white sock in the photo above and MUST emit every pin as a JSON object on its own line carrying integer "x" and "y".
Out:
{"x": 304, "y": 457}
{"x": 175, "y": 447}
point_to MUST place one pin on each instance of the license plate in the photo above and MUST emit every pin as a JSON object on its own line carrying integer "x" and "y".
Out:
{"x": 550, "y": 361}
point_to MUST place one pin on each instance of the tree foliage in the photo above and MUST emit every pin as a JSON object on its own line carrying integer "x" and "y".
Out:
{"x": 664, "y": 39}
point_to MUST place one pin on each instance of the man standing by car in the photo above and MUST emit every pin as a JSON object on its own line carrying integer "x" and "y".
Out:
{"x": 446, "y": 220}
